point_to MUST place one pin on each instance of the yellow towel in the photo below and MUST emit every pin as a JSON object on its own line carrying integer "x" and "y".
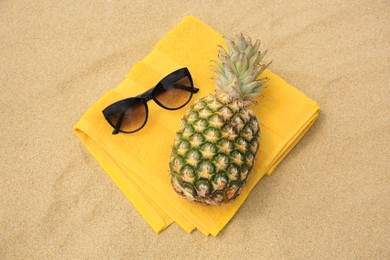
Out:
{"x": 138, "y": 162}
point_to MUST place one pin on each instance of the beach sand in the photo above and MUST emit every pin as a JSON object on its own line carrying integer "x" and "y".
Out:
{"x": 329, "y": 198}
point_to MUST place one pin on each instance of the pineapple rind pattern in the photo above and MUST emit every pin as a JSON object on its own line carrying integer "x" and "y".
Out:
{"x": 214, "y": 150}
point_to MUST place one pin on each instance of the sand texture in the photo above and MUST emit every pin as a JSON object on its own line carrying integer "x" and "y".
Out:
{"x": 328, "y": 199}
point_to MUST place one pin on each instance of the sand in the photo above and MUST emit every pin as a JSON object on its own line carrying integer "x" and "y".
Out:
{"x": 327, "y": 199}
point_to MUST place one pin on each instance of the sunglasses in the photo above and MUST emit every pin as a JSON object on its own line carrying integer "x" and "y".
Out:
{"x": 131, "y": 114}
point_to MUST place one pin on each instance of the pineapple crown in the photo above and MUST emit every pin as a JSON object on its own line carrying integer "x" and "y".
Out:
{"x": 239, "y": 69}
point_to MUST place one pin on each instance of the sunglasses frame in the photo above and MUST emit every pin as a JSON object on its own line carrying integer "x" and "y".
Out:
{"x": 123, "y": 105}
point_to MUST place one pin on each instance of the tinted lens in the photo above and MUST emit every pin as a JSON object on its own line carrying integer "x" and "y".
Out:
{"x": 133, "y": 117}
{"x": 176, "y": 94}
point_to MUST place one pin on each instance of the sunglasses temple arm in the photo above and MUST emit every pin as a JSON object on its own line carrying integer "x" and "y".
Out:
{"x": 118, "y": 124}
{"x": 185, "y": 88}
{"x": 148, "y": 94}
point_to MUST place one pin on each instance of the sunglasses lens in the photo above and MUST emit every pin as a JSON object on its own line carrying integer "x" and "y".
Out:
{"x": 175, "y": 95}
{"x": 133, "y": 118}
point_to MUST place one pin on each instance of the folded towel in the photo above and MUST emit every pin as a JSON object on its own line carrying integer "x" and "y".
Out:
{"x": 138, "y": 162}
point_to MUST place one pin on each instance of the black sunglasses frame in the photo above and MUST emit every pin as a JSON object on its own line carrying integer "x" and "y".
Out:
{"x": 123, "y": 105}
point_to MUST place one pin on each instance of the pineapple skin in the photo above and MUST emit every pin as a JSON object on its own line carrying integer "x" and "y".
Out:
{"x": 216, "y": 146}
{"x": 214, "y": 150}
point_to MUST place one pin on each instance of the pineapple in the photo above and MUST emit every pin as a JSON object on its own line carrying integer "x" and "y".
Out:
{"x": 215, "y": 148}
